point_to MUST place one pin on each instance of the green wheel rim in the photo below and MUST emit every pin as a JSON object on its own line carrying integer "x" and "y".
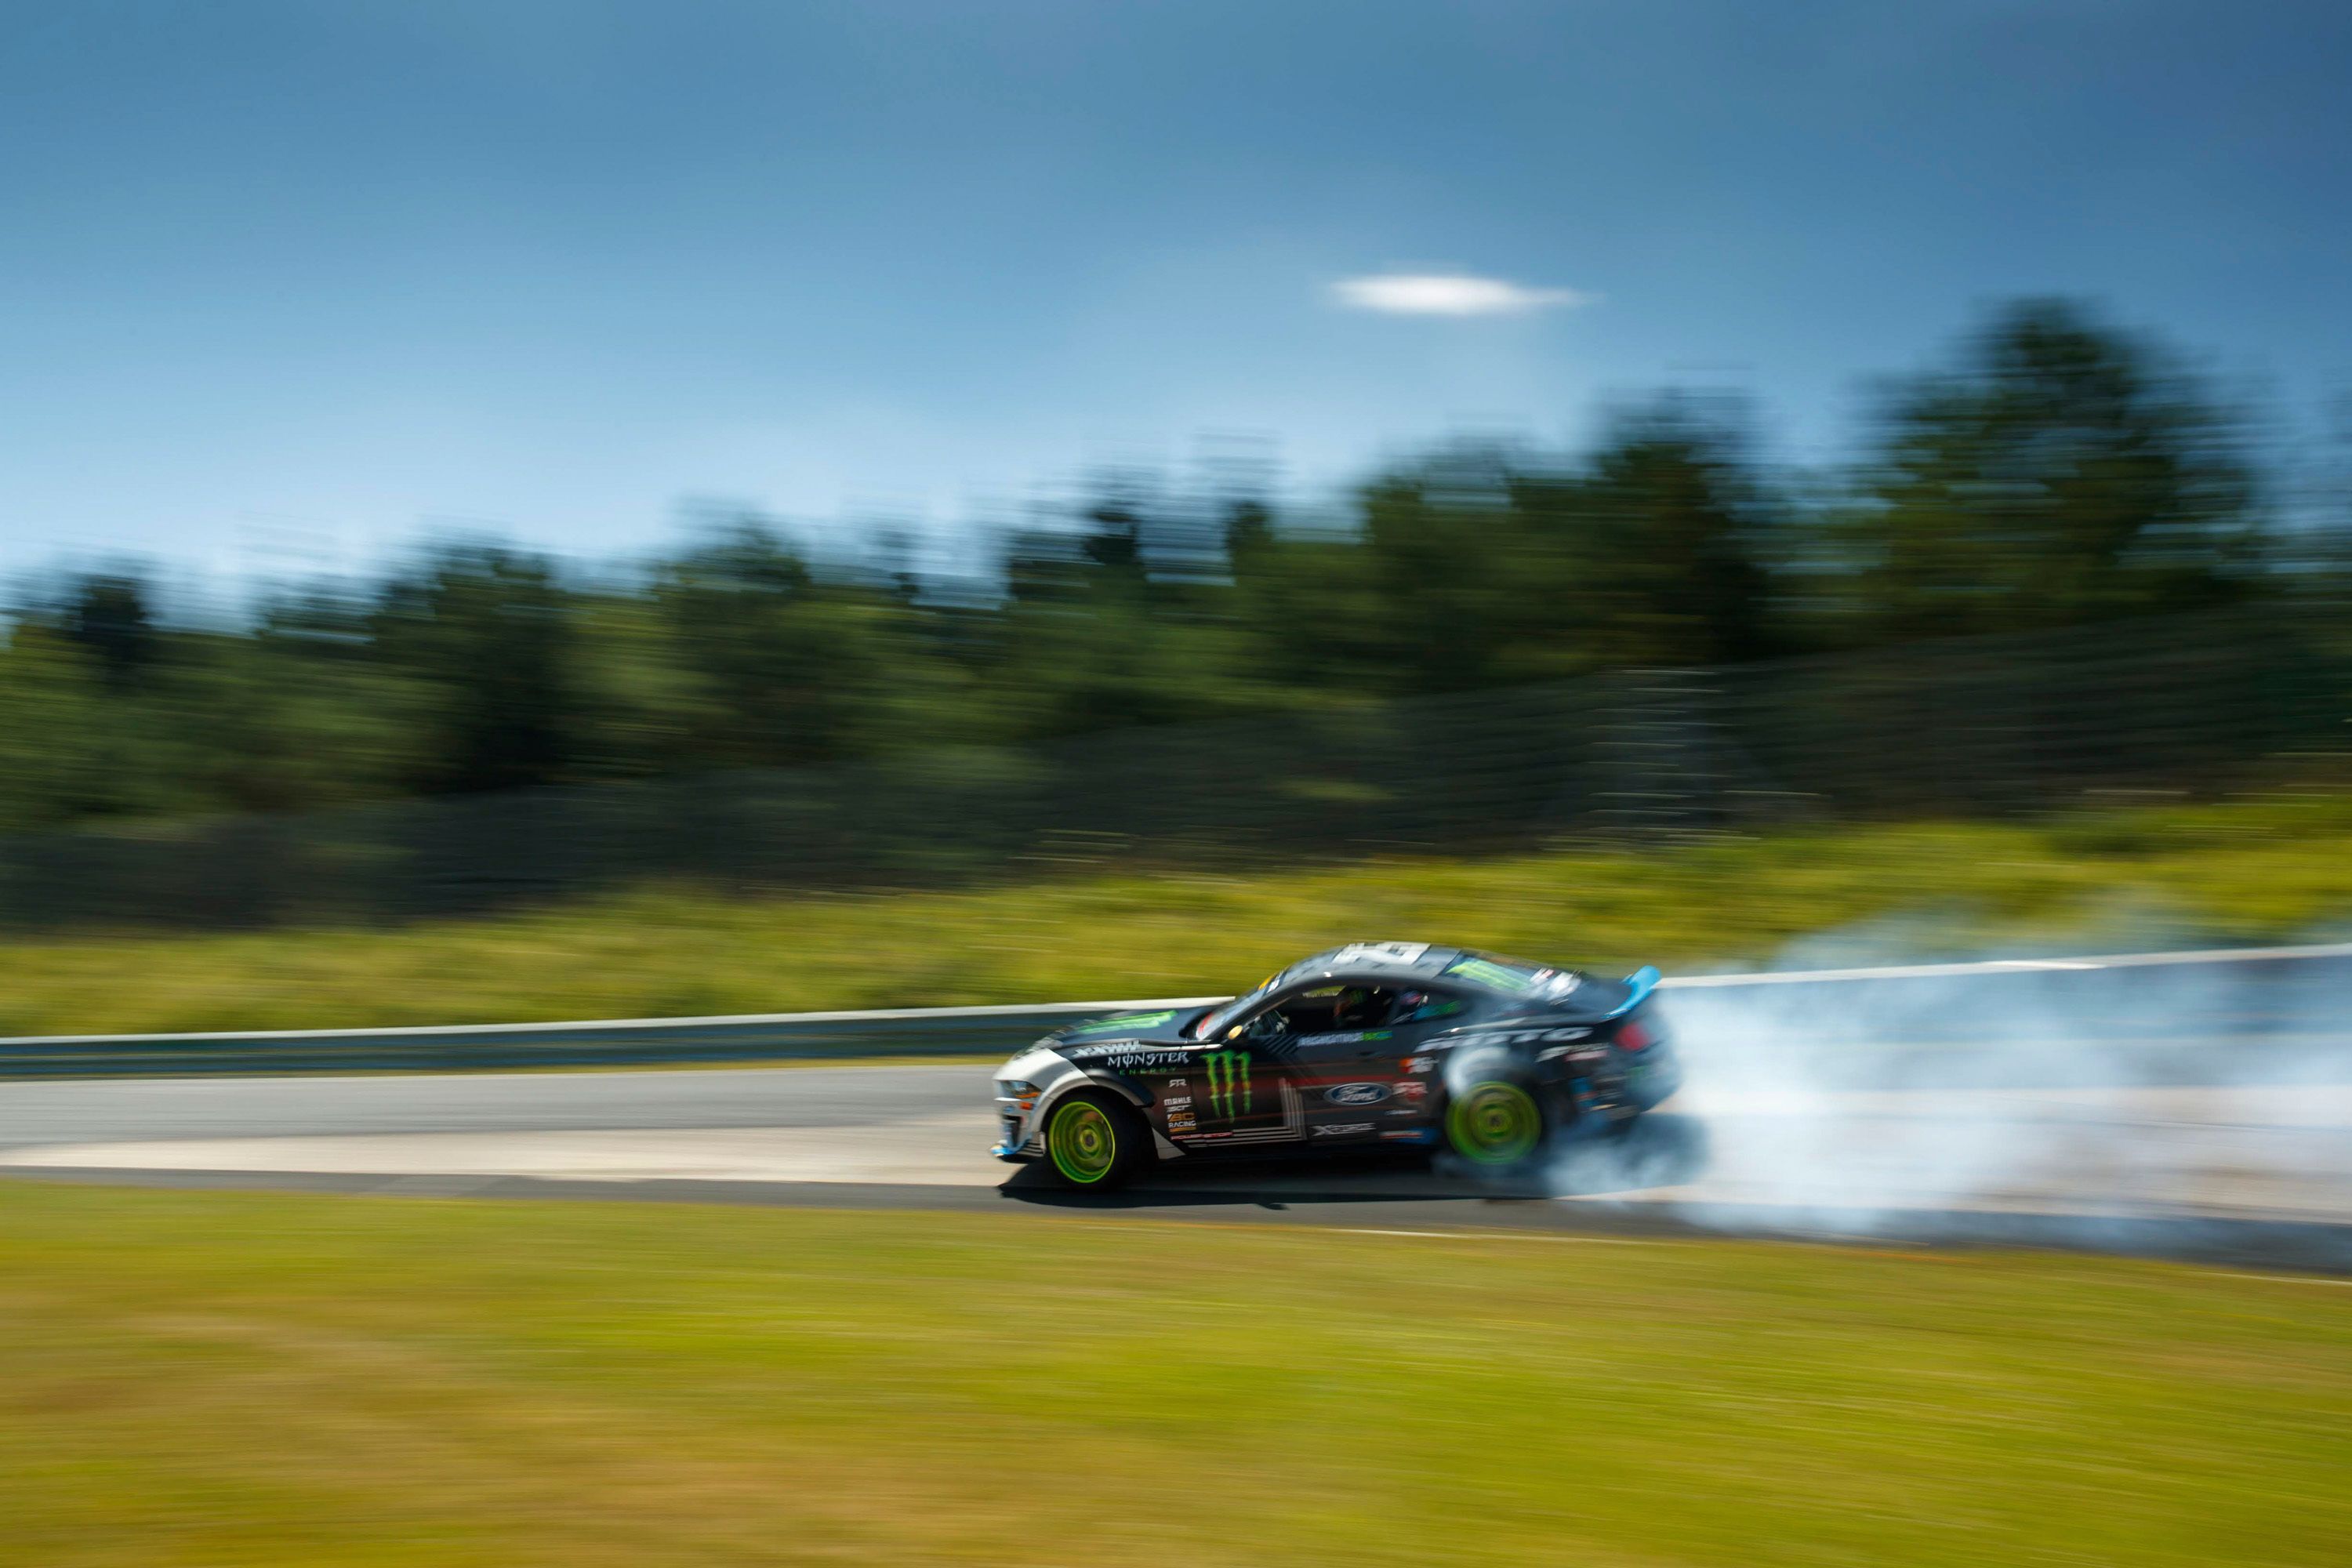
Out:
{"x": 1082, "y": 1143}
{"x": 1494, "y": 1123}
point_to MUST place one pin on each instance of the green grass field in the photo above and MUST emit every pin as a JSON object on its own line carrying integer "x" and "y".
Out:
{"x": 2278, "y": 869}
{"x": 255, "y": 1380}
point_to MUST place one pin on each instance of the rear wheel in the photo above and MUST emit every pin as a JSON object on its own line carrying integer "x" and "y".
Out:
{"x": 1092, "y": 1139}
{"x": 1494, "y": 1123}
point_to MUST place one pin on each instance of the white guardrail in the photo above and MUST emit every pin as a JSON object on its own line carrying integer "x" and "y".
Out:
{"x": 913, "y": 1031}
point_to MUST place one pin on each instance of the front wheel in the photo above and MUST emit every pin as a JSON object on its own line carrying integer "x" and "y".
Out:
{"x": 1092, "y": 1139}
{"x": 1494, "y": 1123}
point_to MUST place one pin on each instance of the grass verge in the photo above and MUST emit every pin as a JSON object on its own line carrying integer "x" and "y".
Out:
{"x": 2249, "y": 871}
{"x": 262, "y": 1379}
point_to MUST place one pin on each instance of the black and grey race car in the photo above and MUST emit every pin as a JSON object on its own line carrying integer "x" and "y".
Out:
{"x": 1377, "y": 1043}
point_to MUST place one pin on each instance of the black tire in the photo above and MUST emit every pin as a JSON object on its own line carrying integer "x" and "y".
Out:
{"x": 1093, "y": 1140}
{"x": 1496, "y": 1122}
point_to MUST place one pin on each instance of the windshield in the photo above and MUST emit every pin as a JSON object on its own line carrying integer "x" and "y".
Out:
{"x": 1217, "y": 1020}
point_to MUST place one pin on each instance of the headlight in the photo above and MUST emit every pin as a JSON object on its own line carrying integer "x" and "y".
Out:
{"x": 1023, "y": 1095}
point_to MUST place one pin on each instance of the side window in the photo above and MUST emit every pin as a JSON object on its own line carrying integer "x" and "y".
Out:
{"x": 1274, "y": 1021}
{"x": 1262, "y": 1027}
{"x": 1344, "y": 1010}
{"x": 1364, "y": 1007}
{"x": 1324, "y": 1010}
{"x": 1428, "y": 1006}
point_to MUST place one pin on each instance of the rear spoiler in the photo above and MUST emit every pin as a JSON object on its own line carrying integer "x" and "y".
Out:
{"x": 1638, "y": 987}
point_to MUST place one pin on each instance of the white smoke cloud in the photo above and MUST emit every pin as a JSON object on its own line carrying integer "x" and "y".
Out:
{"x": 1451, "y": 294}
{"x": 2088, "y": 1097}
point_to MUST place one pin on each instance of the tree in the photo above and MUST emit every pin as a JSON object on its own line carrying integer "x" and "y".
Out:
{"x": 1673, "y": 572}
{"x": 2061, "y": 472}
{"x": 486, "y": 635}
{"x": 1454, "y": 567}
{"x": 106, "y": 615}
{"x": 50, "y": 727}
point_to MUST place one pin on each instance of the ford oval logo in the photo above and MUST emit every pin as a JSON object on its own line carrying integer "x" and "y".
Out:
{"x": 1355, "y": 1093}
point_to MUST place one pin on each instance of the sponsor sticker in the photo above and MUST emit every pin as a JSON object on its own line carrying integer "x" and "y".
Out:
{"x": 1131, "y": 1056}
{"x": 1345, "y": 1038}
{"x": 1355, "y": 1093}
{"x": 1488, "y": 973}
{"x": 1418, "y": 1064}
{"x": 1341, "y": 1128}
{"x": 1408, "y": 1135}
{"x": 1412, "y": 1088}
{"x": 1129, "y": 1022}
{"x": 1180, "y": 1103}
{"x": 1229, "y": 1082}
{"x": 1525, "y": 1038}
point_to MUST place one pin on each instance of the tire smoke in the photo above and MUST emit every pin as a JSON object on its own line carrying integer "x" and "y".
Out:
{"x": 2092, "y": 1092}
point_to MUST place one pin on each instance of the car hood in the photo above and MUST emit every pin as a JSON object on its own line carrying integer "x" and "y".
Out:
{"x": 1165, "y": 1027}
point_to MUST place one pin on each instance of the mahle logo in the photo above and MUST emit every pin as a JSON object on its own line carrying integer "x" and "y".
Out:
{"x": 1229, "y": 1078}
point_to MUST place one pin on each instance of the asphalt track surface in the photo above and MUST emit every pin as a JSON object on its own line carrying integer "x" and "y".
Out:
{"x": 2186, "y": 1104}
{"x": 2252, "y": 1173}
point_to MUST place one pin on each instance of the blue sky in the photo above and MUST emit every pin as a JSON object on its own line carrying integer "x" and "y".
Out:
{"x": 287, "y": 284}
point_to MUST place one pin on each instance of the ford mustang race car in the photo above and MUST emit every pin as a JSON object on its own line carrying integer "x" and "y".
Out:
{"x": 1377, "y": 1043}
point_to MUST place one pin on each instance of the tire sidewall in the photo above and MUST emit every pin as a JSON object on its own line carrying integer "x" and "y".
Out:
{"x": 1127, "y": 1138}
{"x": 1464, "y": 1080}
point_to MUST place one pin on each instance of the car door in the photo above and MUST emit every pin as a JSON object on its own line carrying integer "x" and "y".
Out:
{"x": 1423, "y": 1012}
{"x": 1347, "y": 1061}
{"x": 1372, "y": 1084}
{"x": 1241, "y": 1090}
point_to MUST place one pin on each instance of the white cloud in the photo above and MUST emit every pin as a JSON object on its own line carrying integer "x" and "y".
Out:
{"x": 1451, "y": 294}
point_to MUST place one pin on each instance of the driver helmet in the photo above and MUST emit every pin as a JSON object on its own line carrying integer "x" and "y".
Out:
{"x": 1357, "y": 1008}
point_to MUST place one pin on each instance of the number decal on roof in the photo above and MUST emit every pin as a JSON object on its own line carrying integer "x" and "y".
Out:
{"x": 1379, "y": 953}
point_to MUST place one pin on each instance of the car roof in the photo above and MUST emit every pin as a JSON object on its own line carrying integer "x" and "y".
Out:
{"x": 1402, "y": 958}
{"x": 1416, "y": 961}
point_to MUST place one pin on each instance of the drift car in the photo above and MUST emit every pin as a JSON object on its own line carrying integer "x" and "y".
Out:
{"x": 1380, "y": 1044}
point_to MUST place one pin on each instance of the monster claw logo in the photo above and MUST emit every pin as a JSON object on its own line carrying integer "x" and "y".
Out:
{"x": 1229, "y": 1078}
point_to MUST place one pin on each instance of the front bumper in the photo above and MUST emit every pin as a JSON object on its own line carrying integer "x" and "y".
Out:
{"x": 1015, "y": 1143}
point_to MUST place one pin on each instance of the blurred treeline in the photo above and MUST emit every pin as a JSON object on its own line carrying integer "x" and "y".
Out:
{"x": 2057, "y": 472}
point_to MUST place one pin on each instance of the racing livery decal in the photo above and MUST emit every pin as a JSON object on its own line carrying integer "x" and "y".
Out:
{"x": 1411, "y": 1044}
{"x": 1130, "y": 1022}
{"x": 1229, "y": 1075}
{"x": 1131, "y": 1056}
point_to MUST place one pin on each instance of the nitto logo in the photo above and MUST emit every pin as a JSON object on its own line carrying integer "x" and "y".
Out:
{"x": 1355, "y": 1093}
{"x": 1228, "y": 1082}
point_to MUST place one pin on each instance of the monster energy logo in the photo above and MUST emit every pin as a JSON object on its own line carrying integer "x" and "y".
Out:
{"x": 1229, "y": 1075}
